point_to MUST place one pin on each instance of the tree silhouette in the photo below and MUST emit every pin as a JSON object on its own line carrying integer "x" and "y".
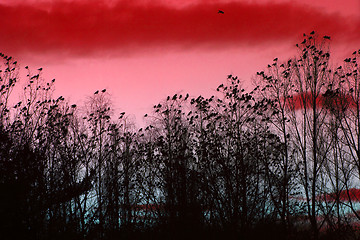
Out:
{"x": 279, "y": 161}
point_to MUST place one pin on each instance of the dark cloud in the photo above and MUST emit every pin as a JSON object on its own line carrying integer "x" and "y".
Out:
{"x": 81, "y": 28}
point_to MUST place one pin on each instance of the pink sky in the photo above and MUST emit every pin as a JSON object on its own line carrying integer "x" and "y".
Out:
{"x": 143, "y": 50}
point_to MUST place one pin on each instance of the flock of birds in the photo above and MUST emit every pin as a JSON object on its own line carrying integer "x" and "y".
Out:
{"x": 104, "y": 90}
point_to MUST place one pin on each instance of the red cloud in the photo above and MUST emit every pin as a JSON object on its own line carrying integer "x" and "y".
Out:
{"x": 91, "y": 26}
{"x": 338, "y": 102}
{"x": 352, "y": 194}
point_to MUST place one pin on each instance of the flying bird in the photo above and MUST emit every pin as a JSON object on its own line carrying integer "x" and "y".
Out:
{"x": 221, "y": 12}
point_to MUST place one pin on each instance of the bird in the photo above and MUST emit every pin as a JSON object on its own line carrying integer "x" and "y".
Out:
{"x": 40, "y": 69}
{"x": 104, "y": 90}
{"x": 327, "y": 37}
{"x": 96, "y": 92}
{"x": 312, "y": 33}
{"x": 73, "y": 106}
{"x": 221, "y": 12}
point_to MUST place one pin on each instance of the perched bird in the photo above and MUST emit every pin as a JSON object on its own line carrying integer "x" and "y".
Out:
{"x": 275, "y": 59}
{"x": 40, "y": 69}
{"x": 73, "y": 106}
{"x": 327, "y": 37}
{"x": 104, "y": 90}
{"x": 221, "y": 12}
{"x": 312, "y": 33}
{"x": 96, "y": 92}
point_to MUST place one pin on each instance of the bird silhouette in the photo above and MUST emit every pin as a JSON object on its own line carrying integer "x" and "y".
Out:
{"x": 221, "y": 12}
{"x": 312, "y": 33}
{"x": 104, "y": 90}
{"x": 96, "y": 92}
{"x": 40, "y": 69}
{"x": 327, "y": 37}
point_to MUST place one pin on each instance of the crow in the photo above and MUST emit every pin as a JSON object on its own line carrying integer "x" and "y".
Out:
{"x": 221, "y": 12}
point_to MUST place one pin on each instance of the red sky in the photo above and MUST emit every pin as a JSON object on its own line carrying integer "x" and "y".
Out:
{"x": 142, "y": 50}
